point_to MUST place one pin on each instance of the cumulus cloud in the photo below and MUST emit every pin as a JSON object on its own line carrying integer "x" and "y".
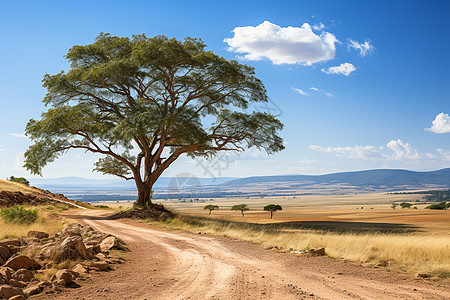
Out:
{"x": 364, "y": 48}
{"x": 318, "y": 27}
{"x": 402, "y": 150}
{"x": 362, "y": 152}
{"x": 21, "y": 135}
{"x": 441, "y": 124}
{"x": 301, "y": 92}
{"x": 282, "y": 45}
{"x": 344, "y": 69}
{"x": 444, "y": 153}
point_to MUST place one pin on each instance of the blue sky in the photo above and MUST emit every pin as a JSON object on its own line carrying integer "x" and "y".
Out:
{"x": 356, "y": 87}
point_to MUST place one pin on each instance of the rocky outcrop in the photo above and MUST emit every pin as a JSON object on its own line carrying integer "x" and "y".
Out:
{"x": 22, "y": 259}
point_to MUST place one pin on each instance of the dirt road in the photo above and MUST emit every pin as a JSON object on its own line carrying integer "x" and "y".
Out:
{"x": 179, "y": 265}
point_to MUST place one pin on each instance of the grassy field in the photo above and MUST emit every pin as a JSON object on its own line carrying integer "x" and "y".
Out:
{"x": 47, "y": 222}
{"x": 361, "y": 228}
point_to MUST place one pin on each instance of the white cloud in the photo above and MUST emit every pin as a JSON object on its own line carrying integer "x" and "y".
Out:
{"x": 21, "y": 135}
{"x": 301, "y": 92}
{"x": 402, "y": 150}
{"x": 445, "y": 154}
{"x": 308, "y": 161}
{"x": 318, "y": 27}
{"x": 364, "y": 48}
{"x": 441, "y": 124}
{"x": 321, "y": 91}
{"x": 283, "y": 45}
{"x": 344, "y": 69}
{"x": 362, "y": 152}
{"x": 1, "y": 148}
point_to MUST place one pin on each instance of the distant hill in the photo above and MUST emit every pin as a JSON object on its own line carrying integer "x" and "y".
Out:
{"x": 387, "y": 178}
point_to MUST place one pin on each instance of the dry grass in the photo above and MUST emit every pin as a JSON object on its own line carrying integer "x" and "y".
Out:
{"x": 412, "y": 252}
{"x": 46, "y": 222}
{"x": 9, "y": 186}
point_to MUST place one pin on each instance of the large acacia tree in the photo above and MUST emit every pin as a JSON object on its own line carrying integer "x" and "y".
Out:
{"x": 161, "y": 96}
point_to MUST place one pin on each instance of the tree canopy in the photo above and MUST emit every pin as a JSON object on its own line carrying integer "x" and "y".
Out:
{"x": 210, "y": 207}
{"x": 272, "y": 208}
{"x": 241, "y": 207}
{"x": 18, "y": 179}
{"x": 142, "y": 102}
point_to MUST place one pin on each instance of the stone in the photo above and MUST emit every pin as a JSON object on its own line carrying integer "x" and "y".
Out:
{"x": 33, "y": 289}
{"x": 93, "y": 249}
{"x": 17, "y": 283}
{"x": 23, "y": 275}
{"x": 22, "y": 262}
{"x": 100, "y": 265}
{"x": 18, "y": 297}
{"x": 6, "y": 272}
{"x": 423, "y": 275}
{"x": 319, "y": 251}
{"x": 10, "y": 242}
{"x": 112, "y": 242}
{"x": 80, "y": 269}
{"x": 7, "y": 291}
{"x": 4, "y": 252}
{"x": 63, "y": 277}
{"x": 76, "y": 243}
{"x": 37, "y": 234}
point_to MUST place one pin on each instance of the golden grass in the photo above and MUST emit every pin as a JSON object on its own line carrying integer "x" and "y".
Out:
{"x": 9, "y": 186}
{"x": 46, "y": 222}
{"x": 411, "y": 252}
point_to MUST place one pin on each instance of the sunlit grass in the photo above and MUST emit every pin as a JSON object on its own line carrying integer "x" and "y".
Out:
{"x": 412, "y": 252}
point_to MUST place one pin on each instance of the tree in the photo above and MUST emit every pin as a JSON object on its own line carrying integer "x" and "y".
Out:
{"x": 441, "y": 205}
{"x": 160, "y": 97}
{"x": 210, "y": 207}
{"x": 405, "y": 205}
{"x": 393, "y": 206}
{"x": 241, "y": 207}
{"x": 19, "y": 180}
{"x": 272, "y": 208}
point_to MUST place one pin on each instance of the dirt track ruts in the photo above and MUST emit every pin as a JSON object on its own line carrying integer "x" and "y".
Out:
{"x": 180, "y": 265}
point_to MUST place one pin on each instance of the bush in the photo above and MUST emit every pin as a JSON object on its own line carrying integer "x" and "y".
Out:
{"x": 18, "y": 214}
{"x": 19, "y": 180}
{"x": 441, "y": 205}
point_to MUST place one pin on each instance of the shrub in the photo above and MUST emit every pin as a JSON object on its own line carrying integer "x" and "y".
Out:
{"x": 19, "y": 180}
{"x": 18, "y": 214}
{"x": 441, "y": 205}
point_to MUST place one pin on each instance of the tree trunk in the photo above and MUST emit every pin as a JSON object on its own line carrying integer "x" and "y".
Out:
{"x": 210, "y": 211}
{"x": 144, "y": 194}
{"x": 242, "y": 212}
{"x": 271, "y": 214}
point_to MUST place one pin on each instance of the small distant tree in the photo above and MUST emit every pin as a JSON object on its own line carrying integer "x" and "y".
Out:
{"x": 241, "y": 207}
{"x": 393, "y": 206}
{"x": 210, "y": 207}
{"x": 405, "y": 205}
{"x": 272, "y": 208}
{"x": 19, "y": 180}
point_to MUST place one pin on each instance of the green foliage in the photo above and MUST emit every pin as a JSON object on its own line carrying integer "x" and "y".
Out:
{"x": 157, "y": 94}
{"x": 405, "y": 205}
{"x": 210, "y": 207}
{"x": 441, "y": 205}
{"x": 272, "y": 208}
{"x": 18, "y": 179}
{"x": 18, "y": 214}
{"x": 437, "y": 196}
{"x": 241, "y": 207}
{"x": 393, "y": 206}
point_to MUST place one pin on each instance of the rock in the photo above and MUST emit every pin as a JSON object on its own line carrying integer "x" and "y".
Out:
{"x": 14, "y": 249}
{"x": 101, "y": 256}
{"x": 7, "y": 291}
{"x": 18, "y": 297}
{"x": 99, "y": 265}
{"x": 319, "y": 251}
{"x": 6, "y": 272}
{"x": 63, "y": 277}
{"x": 22, "y": 262}
{"x": 93, "y": 249}
{"x": 23, "y": 275}
{"x": 76, "y": 243}
{"x": 17, "y": 283}
{"x": 10, "y": 242}
{"x": 33, "y": 289}
{"x": 37, "y": 234}
{"x": 112, "y": 242}
{"x": 4, "y": 252}
{"x": 80, "y": 269}
{"x": 423, "y": 275}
